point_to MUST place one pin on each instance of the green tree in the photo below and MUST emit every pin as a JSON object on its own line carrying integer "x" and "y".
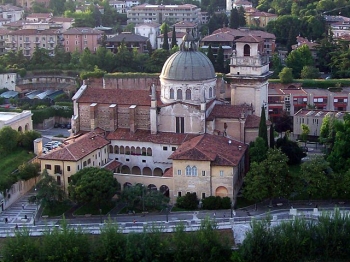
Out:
{"x": 276, "y": 65}
{"x": 130, "y": 28}
{"x": 316, "y": 176}
{"x": 189, "y": 201}
{"x": 39, "y": 58}
{"x": 305, "y": 131}
{"x": 220, "y": 61}
{"x": 241, "y": 17}
{"x": 269, "y": 178}
{"x": 27, "y": 171}
{"x": 158, "y": 58}
{"x": 8, "y": 139}
{"x": 87, "y": 60}
{"x": 27, "y": 138}
{"x": 328, "y": 131}
{"x": 272, "y": 136}
{"x": 165, "y": 45}
{"x": 258, "y": 150}
{"x": 92, "y": 184}
{"x": 234, "y": 18}
{"x": 291, "y": 149}
{"x": 299, "y": 58}
{"x": 263, "y": 127}
{"x": 173, "y": 38}
{"x": 210, "y": 55}
{"x": 124, "y": 58}
{"x": 286, "y": 75}
{"x": 310, "y": 72}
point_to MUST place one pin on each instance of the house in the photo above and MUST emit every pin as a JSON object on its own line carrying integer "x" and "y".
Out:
{"x": 64, "y": 23}
{"x": 11, "y": 13}
{"x": 79, "y": 38}
{"x": 237, "y": 4}
{"x": 17, "y": 121}
{"x": 259, "y": 19}
{"x": 39, "y": 17}
{"x": 132, "y": 41}
{"x": 179, "y": 36}
{"x": 150, "y": 30}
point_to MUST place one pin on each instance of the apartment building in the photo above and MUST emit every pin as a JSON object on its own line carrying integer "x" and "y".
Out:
{"x": 29, "y": 39}
{"x": 150, "y": 30}
{"x": 164, "y": 13}
{"x": 11, "y": 13}
{"x": 79, "y": 38}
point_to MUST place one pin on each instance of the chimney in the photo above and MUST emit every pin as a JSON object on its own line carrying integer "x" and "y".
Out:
{"x": 132, "y": 123}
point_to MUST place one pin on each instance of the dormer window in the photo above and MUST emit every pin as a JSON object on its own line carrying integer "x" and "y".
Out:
{"x": 246, "y": 50}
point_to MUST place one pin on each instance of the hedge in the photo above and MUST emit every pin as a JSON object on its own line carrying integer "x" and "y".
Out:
{"x": 318, "y": 83}
{"x": 69, "y": 104}
{"x": 62, "y": 111}
{"x": 131, "y": 75}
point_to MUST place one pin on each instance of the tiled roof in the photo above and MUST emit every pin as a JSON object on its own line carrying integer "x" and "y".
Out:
{"x": 127, "y": 37}
{"x": 227, "y": 111}
{"x": 319, "y": 113}
{"x": 252, "y": 121}
{"x": 184, "y": 24}
{"x": 82, "y": 31}
{"x": 220, "y": 36}
{"x": 9, "y": 8}
{"x": 61, "y": 19}
{"x": 170, "y": 34}
{"x": 150, "y": 24}
{"x": 111, "y": 166}
{"x": 116, "y": 96}
{"x": 76, "y": 150}
{"x": 168, "y": 172}
{"x": 260, "y": 14}
{"x": 250, "y": 39}
{"x": 146, "y": 136}
{"x": 219, "y": 150}
{"x": 34, "y": 32}
{"x": 245, "y": 32}
{"x": 39, "y": 15}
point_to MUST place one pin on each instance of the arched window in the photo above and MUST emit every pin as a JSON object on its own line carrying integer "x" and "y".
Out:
{"x": 194, "y": 171}
{"x": 246, "y": 50}
{"x": 210, "y": 92}
{"x": 179, "y": 94}
{"x": 188, "y": 171}
{"x": 171, "y": 93}
{"x": 188, "y": 94}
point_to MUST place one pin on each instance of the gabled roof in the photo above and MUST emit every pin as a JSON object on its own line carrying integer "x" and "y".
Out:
{"x": 127, "y": 37}
{"x": 170, "y": 35}
{"x": 219, "y": 150}
{"x": 61, "y": 19}
{"x": 219, "y": 37}
{"x": 185, "y": 24}
{"x": 250, "y": 39}
{"x": 76, "y": 150}
{"x": 228, "y": 111}
{"x": 244, "y": 32}
{"x": 39, "y": 15}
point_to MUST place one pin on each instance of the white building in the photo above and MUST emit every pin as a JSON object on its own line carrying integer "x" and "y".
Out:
{"x": 12, "y": 13}
{"x": 8, "y": 80}
{"x": 150, "y": 30}
{"x": 18, "y": 121}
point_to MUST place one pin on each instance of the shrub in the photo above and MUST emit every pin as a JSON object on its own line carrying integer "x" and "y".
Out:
{"x": 216, "y": 202}
{"x": 189, "y": 201}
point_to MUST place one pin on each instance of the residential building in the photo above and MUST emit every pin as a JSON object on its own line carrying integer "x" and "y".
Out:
{"x": 27, "y": 4}
{"x": 150, "y": 30}
{"x": 184, "y": 27}
{"x": 8, "y": 80}
{"x": 79, "y": 38}
{"x": 64, "y": 23}
{"x": 341, "y": 28}
{"x": 313, "y": 118}
{"x": 131, "y": 41}
{"x": 310, "y": 44}
{"x": 237, "y": 4}
{"x": 119, "y": 6}
{"x": 28, "y": 39}
{"x": 204, "y": 18}
{"x": 88, "y": 150}
{"x": 164, "y": 13}
{"x": 39, "y": 17}
{"x": 11, "y": 13}
{"x": 179, "y": 36}
{"x": 3, "y": 37}
{"x": 259, "y": 19}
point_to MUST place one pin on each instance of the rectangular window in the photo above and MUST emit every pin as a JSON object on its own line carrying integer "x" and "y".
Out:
{"x": 173, "y": 148}
{"x": 180, "y": 125}
{"x": 78, "y": 167}
{"x": 179, "y": 194}
{"x": 179, "y": 172}
{"x": 84, "y": 164}
{"x": 85, "y": 42}
{"x": 335, "y": 100}
{"x": 165, "y": 148}
{"x": 48, "y": 167}
{"x": 203, "y": 195}
{"x": 143, "y": 161}
{"x": 58, "y": 180}
{"x": 58, "y": 169}
{"x": 203, "y": 173}
{"x": 221, "y": 173}
{"x": 68, "y": 168}
{"x": 89, "y": 161}
{"x": 69, "y": 179}
{"x": 76, "y": 42}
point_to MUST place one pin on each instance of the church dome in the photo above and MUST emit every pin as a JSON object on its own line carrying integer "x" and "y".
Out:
{"x": 188, "y": 66}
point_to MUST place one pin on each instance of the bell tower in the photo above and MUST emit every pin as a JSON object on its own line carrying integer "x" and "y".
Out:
{"x": 249, "y": 71}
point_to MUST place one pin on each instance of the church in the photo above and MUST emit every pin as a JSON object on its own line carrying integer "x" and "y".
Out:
{"x": 182, "y": 133}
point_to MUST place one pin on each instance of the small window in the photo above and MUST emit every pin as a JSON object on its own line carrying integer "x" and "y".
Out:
{"x": 188, "y": 94}
{"x": 179, "y": 194}
{"x": 69, "y": 179}
{"x": 84, "y": 164}
{"x": 143, "y": 161}
{"x": 165, "y": 148}
{"x": 203, "y": 195}
{"x": 179, "y": 172}
{"x": 127, "y": 160}
{"x": 68, "y": 168}
{"x": 179, "y": 94}
{"x": 221, "y": 172}
{"x": 188, "y": 171}
{"x": 89, "y": 161}
{"x": 48, "y": 167}
{"x": 171, "y": 93}
{"x": 194, "y": 171}
{"x": 173, "y": 148}
{"x": 78, "y": 167}
{"x": 203, "y": 173}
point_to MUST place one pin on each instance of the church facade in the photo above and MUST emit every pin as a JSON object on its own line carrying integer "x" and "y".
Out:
{"x": 177, "y": 135}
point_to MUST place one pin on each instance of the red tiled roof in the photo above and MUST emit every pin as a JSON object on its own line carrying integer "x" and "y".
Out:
{"x": 219, "y": 150}
{"x": 227, "y": 111}
{"x": 111, "y": 166}
{"x": 243, "y": 32}
{"x": 82, "y": 31}
{"x": 39, "y": 15}
{"x": 252, "y": 121}
{"x": 168, "y": 172}
{"x": 170, "y": 34}
{"x": 184, "y": 24}
{"x": 81, "y": 147}
{"x": 250, "y": 39}
{"x": 221, "y": 36}
{"x": 34, "y": 32}
{"x": 116, "y": 96}
{"x": 61, "y": 19}
{"x": 146, "y": 136}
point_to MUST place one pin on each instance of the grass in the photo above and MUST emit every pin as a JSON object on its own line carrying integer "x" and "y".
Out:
{"x": 178, "y": 209}
{"x": 93, "y": 210}
{"x": 58, "y": 210}
{"x": 10, "y": 162}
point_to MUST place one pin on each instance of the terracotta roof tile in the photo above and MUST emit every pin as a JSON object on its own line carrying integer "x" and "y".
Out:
{"x": 112, "y": 165}
{"x": 76, "y": 150}
{"x": 252, "y": 121}
{"x": 168, "y": 172}
{"x": 127, "y": 37}
{"x": 146, "y": 136}
{"x": 250, "y": 39}
{"x": 227, "y": 111}
{"x": 82, "y": 31}
{"x": 219, "y": 150}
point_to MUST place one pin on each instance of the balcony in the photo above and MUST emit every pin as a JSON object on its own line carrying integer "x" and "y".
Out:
{"x": 27, "y": 48}
{"x": 7, "y": 41}
{"x": 37, "y": 41}
{"x": 26, "y": 41}
{"x": 51, "y": 41}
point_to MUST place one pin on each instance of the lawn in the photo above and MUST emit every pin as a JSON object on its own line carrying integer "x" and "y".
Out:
{"x": 10, "y": 162}
{"x": 93, "y": 210}
{"x": 58, "y": 210}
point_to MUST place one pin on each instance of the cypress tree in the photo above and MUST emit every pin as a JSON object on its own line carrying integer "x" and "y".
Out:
{"x": 165, "y": 45}
{"x": 210, "y": 55}
{"x": 263, "y": 127}
{"x": 272, "y": 136}
{"x": 173, "y": 38}
{"x": 220, "y": 61}
{"x": 234, "y": 18}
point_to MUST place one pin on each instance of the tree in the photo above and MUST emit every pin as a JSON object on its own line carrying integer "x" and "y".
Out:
{"x": 220, "y": 61}
{"x": 48, "y": 191}
{"x": 189, "y": 201}
{"x": 27, "y": 171}
{"x": 310, "y": 72}
{"x": 276, "y": 65}
{"x": 87, "y": 60}
{"x": 130, "y": 28}
{"x": 284, "y": 123}
{"x": 328, "y": 130}
{"x": 305, "y": 131}
{"x": 258, "y": 150}
{"x": 123, "y": 58}
{"x": 27, "y": 138}
{"x": 210, "y": 55}
{"x": 165, "y": 45}
{"x": 173, "y": 38}
{"x": 263, "y": 127}
{"x": 93, "y": 184}
{"x": 40, "y": 57}
{"x": 8, "y": 139}
{"x": 316, "y": 176}
{"x": 299, "y": 58}
{"x": 286, "y": 75}
{"x": 234, "y": 18}
{"x": 291, "y": 149}
{"x": 272, "y": 136}
{"x": 269, "y": 178}
{"x": 158, "y": 58}
{"x": 241, "y": 17}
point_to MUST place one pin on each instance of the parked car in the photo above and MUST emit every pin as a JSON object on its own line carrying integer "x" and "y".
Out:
{"x": 63, "y": 126}
{"x": 57, "y": 125}
{"x": 68, "y": 126}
